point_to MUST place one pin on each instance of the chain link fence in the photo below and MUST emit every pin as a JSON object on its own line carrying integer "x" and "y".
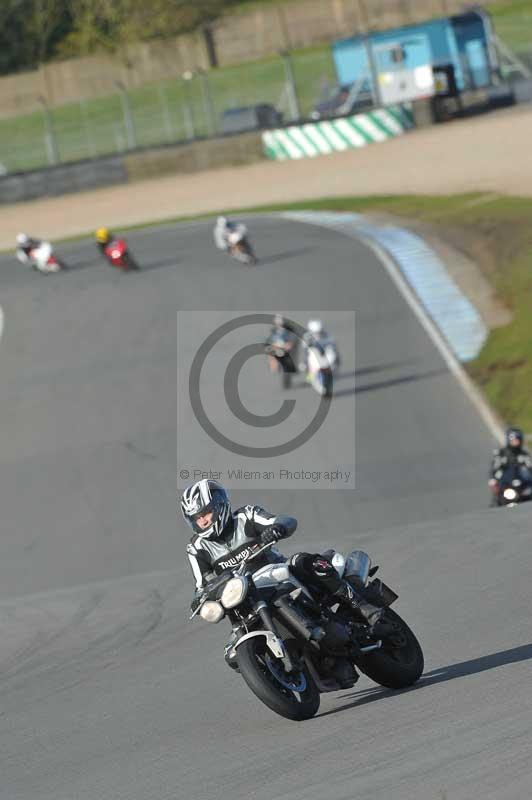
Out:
{"x": 199, "y": 104}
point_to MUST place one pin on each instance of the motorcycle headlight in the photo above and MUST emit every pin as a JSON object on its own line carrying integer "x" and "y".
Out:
{"x": 509, "y": 494}
{"x": 234, "y": 592}
{"x": 212, "y": 611}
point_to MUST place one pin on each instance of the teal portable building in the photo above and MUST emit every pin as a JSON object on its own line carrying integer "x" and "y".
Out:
{"x": 463, "y": 42}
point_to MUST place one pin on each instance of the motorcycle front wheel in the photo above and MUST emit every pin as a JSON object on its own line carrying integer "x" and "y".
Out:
{"x": 399, "y": 663}
{"x": 293, "y": 696}
{"x": 322, "y": 383}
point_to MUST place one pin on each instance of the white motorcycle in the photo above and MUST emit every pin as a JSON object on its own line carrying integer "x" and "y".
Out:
{"x": 320, "y": 364}
{"x": 332, "y": 354}
{"x": 319, "y": 371}
{"x": 43, "y": 259}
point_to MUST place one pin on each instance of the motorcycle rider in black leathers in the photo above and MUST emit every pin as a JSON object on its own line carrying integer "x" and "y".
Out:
{"x": 285, "y": 331}
{"x": 223, "y": 537}
{"x": 513, "y": 453}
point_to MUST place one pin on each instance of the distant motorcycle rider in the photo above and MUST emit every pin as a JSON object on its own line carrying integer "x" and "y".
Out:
{"x": 25, "y": 244}
{"x": 222, "y": 231}
{"x": 513, "y": 453}
{"x": 223, "y": 537}
{"x": 280, "y": 323}
{"x": 284, "y": 332}
{"x": 316, "y": 336}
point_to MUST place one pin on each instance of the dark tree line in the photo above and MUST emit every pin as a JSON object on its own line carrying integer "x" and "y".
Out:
{"x": 35, "y": 31}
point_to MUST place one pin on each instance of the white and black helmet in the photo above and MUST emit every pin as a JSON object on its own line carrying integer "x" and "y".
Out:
{"x": 199, "y": 499}
{"x": 514, "y": 438}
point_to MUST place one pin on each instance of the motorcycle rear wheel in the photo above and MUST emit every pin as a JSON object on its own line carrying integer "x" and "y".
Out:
{"x": 395, "y": 667}
{"x": 131, "y": 264}
{"x": 252, "y": 657}
{"x": 251, "y": 258}
{"x": 328, "y": 384}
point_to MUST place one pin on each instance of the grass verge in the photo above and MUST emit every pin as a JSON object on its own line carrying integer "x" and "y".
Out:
{"x": 161, "y": 113}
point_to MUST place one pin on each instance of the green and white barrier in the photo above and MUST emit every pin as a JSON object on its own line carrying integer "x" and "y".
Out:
{"x": 335, "y": 135}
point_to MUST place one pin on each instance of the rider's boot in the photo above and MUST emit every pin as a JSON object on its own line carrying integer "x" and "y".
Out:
{"x": 345, "y": 673}
{"x": 372, "y": 614}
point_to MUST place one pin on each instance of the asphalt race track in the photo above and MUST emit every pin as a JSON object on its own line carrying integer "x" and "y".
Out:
{"x": 107, "y": 692}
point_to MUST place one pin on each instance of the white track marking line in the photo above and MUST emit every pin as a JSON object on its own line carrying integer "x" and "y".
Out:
{"x": 2, "y": 320}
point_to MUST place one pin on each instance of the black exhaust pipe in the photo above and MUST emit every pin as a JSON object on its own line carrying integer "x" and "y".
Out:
{"x": 298, "y": 621}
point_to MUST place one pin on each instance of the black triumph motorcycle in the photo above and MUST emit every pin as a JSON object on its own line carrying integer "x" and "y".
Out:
{"x": 295, "y": 644}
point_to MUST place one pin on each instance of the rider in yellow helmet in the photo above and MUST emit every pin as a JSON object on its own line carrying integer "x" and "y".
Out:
{"x": 103, "y": 238}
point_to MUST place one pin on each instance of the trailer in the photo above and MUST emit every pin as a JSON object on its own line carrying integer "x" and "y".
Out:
{"x": 444, "y": 57}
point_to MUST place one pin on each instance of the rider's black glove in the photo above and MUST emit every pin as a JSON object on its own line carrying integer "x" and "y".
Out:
{"x": 198, "y": 597}
{"x": 272, "y": 534}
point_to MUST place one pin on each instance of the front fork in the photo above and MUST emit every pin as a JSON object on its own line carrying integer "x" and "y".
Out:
{"x": 274, "y": 643}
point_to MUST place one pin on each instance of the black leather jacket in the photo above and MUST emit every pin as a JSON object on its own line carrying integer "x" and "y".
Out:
{"x": 506, "y": 456}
